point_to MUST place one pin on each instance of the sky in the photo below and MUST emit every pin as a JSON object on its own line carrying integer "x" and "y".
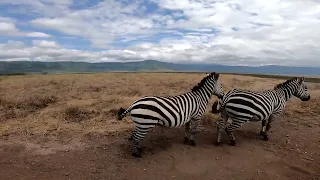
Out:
{"x": 229, "y": 32}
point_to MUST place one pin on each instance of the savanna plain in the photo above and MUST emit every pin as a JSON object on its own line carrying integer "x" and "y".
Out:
{"x": 65, "y": 127}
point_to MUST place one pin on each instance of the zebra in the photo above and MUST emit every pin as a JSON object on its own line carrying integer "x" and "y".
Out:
{"x": 266, "y": 106}
{"x": 171, "y": 111}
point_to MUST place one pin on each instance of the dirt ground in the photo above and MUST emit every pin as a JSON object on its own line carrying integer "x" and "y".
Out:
{"x": 64, "y": 127}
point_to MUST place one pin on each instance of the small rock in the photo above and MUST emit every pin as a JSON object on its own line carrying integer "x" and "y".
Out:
{"x": 144, "y": 169}
{"x": 287, "y": 135}
{"x": 173, "y": 176}
{"x": 310, "y": 159}
{"x": 5, "y": 134}
{"x": 217, "y": 158}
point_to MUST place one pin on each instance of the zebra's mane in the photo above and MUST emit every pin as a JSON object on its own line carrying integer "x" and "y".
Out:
{"x": 284, "y": 84}
{"x": 202, "y": 82}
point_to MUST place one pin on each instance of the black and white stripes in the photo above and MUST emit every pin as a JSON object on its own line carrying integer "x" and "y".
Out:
{"x": 243, "y": 105}
{"x": 172, "y": 111}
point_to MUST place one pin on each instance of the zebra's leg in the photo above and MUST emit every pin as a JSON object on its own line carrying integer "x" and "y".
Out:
{"x": 263, "y": 131}
{"x": 221, "y": 123}
{"x": 263, "y": 122}
{"x": 138, "y": 137}
{"x": 220, "y": 126}
{"x": 131, "y": 137}
{"x": 230, "y": 130}
{"x": 273, "y": 117}
{"x": 187, "y": 133}
{"x": 193, "y": 130}
{"x": 267, "y": 125}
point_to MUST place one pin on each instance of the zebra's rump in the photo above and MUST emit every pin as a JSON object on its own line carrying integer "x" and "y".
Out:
{"x": 247, "y": 105}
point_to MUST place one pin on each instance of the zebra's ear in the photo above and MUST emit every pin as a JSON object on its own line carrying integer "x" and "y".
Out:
{"x": 215, "y": 75}
{"x": 301, "y": 79}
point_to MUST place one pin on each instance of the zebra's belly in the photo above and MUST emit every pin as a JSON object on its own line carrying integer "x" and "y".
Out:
{"x": 243, "y": 116}
{"x": 245, "y": 109}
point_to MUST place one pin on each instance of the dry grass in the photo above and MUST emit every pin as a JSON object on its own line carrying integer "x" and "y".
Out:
{"x": 77, "y": 114}
{"x": 86, "y": 104}
{"x": 19, "y": 108}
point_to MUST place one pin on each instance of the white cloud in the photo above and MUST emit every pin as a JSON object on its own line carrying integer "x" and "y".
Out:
{"x": 6, "y": 19}
{"x": 50, "y": 8}
{"x": 45, "y": 44}
{"x": 37, "y": 34}
{"x": 170, "y": 51}
{"x": 228, "y": 31}
{"x": 9, "y": 29}
{"x": 102, "y": 24}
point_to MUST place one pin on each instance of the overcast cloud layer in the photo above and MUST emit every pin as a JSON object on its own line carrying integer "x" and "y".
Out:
{"x": 233, "y": 32}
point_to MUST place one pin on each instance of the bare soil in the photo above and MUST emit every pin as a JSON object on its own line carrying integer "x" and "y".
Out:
{"x": 65, "y": 127}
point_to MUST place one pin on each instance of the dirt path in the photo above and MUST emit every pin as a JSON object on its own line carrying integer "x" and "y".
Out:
{"x": 292, "y": 153}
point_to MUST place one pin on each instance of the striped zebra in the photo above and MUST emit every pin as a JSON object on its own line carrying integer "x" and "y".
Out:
{"x": 243, "y": 105}
{"x": 172, "y": 111}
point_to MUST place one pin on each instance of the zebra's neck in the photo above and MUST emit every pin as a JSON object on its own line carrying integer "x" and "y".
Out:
{"x": 205, "y": 92}
{"x": 286, "y": 91}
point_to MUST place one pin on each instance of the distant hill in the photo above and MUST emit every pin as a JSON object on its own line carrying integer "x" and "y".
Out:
{"x": 25, "y": 67}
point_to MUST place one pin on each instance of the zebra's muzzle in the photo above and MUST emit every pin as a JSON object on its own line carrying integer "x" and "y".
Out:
{"x": 306, "y": 99}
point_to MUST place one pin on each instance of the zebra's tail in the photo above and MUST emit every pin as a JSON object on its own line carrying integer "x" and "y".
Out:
{"x": 123, "y": 112}
{"x": 216, "y": 106}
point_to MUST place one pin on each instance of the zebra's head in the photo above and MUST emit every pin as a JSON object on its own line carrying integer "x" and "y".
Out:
{"x": 214, "y": 81}
{"x": 302, "y": 90}
{"x": 210, "y": 84}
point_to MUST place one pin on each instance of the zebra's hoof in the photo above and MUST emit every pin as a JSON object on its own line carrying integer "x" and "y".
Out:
{"x": 265, "y": 137}
{"x": 232, "y": 143}
{"x": 217, "y": 143}
{"x": 192, "y": 143}
{"x": 261, "y": 133}
{"x": 136, "y": 155}
{"x": 185, "y": 140}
